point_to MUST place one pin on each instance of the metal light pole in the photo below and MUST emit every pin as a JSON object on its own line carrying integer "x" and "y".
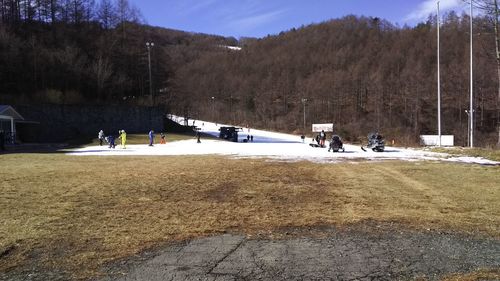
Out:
{"x": 150, "y": 45}
{"x": 304, "y": 103}
{"x": 438, "y": 80}
{"x": 471, "y": 109}
{"x": 213, "y": 109}
{"x": 468, "y": 127}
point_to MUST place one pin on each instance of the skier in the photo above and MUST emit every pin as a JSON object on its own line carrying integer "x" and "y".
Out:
{"x": 151, "y": 137}
{"x": 111, "y": 141}
{"x": 100, "y": 136}
{"x": 162, "y": 138}
{"x": 198, "y": 135}
{"x": 123, "y": 137}
{"x": 251, "y": 138}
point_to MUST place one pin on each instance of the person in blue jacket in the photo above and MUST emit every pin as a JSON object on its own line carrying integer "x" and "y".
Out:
{"x": 151, "y": 137}
{"x": 111, "y": 141}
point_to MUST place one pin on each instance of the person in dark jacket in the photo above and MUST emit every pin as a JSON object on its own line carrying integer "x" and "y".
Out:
{"x": 151, "y": 137}
{"x": 198, "y": 136}
{"x": 111, "y": 141}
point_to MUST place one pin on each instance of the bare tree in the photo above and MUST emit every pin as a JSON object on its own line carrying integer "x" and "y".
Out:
{"x": 490, "y": 7}
{"x": 106, "y": 14}
{"x": 102, "y": 70}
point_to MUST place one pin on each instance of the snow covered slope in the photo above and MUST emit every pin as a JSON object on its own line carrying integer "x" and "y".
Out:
{"x": 271, "y": 145}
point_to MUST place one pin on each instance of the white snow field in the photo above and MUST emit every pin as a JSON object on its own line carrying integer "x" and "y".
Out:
{"x": 270, "y": 145}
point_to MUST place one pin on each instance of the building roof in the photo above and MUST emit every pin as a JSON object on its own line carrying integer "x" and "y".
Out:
{"x": 9, "y": 111}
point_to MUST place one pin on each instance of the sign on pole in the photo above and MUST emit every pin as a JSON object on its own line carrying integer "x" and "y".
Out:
{"x": 322, "y": 127}
{"x": 433, "y": 140}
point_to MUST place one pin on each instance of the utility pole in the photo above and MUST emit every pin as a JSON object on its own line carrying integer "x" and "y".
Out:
{"x": 471, "y": 108}
{"x": 213, "y": 109}
{"x": 497, "y": 49}
{"x": 150, "y": 45}
{"x": 304, "y": 101}
{"x": 438, "y": 79}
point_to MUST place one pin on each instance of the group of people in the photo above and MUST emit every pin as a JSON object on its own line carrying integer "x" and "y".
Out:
{"x": 122, "y": 135}
{"x": 151, "y": 136}
{"x": 321, "y": 138}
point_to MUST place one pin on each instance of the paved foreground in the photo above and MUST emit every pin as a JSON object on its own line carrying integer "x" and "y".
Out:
{"x": 341, "y": 255}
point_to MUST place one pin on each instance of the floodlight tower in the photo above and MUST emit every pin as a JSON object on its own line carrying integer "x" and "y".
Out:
{"x": 471, "y": 108}
{"x": 149, "y": 46}
{"x": 304, "y": 101}
{"x": 438, "y": 79}
{"x": 213, "y": 109}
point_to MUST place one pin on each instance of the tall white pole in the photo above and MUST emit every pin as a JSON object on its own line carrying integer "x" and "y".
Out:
{"x": 471, "y": 108}
{"x": 213, "y": 109}
{"x": 149, "y": 46}
{"x": 438, "y": 79}
{"x": 304, "y": 102}
{"x": 12, "y": 131}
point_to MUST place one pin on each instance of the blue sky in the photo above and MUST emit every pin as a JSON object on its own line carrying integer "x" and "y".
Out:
{"x": 258, "y": 18}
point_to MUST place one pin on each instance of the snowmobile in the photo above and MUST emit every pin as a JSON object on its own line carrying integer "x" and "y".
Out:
{"x": 375, "y": 142}
{"x": 336, "y": 144}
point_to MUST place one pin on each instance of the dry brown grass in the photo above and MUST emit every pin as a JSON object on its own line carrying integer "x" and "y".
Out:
{"x": 488, "y": 153}
{"x": 77, "y": 213}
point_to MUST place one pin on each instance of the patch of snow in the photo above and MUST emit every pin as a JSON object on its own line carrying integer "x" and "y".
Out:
{"x": 270, "y": 145}
{"x": 233, "y": 48}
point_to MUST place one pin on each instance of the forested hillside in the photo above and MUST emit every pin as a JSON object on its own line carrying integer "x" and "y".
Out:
{"x": 361, "y": 73}
{"x": 71, "y": 52}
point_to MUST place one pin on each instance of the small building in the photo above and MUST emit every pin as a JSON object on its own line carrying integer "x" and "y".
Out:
{"x": 8, "y": 119}
{"x": 433, "y": 140}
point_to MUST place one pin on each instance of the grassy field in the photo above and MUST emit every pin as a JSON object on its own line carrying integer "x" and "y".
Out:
{"x": 77, "y": 213}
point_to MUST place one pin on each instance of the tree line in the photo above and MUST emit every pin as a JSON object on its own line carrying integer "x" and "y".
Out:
{"x": 82, "y": 51}
{"x": 361, "y": 73}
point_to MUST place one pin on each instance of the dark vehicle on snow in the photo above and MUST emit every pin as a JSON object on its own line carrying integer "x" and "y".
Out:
{"x": 229, "y": 133}
{"x": 375, "y": 142}
{"x": 336, "y": 144}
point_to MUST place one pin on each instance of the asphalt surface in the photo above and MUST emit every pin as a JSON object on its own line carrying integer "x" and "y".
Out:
{"x": 340, "y": 255}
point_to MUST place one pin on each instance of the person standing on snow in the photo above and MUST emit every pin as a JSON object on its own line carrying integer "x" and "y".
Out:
{"x": 162, "y": 138}
{"x": 123, "y": 137}
{"x": 111, "y": 141}
{"x": 198, "y": 136}
{"x": 100, "y": 136}
{"x": 322, "y": 138}
{"x": 151, "y": 137}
